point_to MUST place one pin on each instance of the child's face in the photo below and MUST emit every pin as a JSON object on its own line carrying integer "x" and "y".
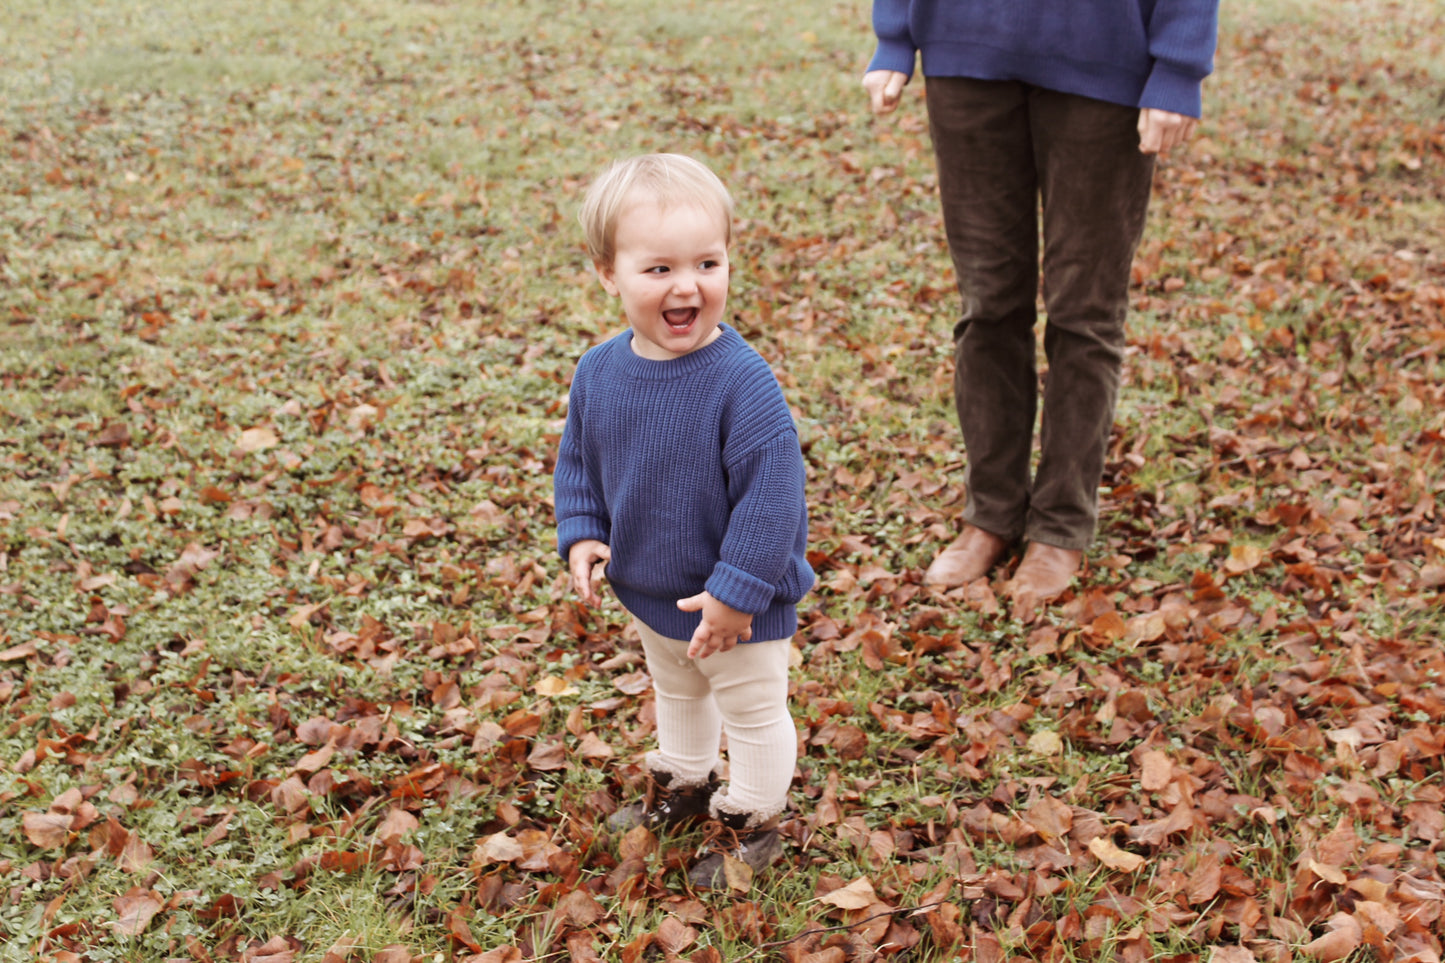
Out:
{"x": 671, "y": 272}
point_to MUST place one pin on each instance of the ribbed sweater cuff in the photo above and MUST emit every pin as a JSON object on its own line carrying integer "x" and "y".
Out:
{"x": 736, "y": 588}
{"x": 578, "y": 528}
{"x": 892, "y": 55}
{"x": 1173, "y": 91}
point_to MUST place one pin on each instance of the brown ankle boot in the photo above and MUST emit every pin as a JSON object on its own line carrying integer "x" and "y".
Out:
{"x": 743, "y": 837}
{"x": 666, "y": 804}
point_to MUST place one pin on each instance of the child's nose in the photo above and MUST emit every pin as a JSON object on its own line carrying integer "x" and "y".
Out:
{"x": 684, "y": 281}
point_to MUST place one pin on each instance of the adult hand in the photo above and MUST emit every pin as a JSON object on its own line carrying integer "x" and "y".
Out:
{"x": 885, "y": 89}
{"x": 722, "y": 626}
{"x": 1160, "y": 130}
{"x": 587, "y": 560}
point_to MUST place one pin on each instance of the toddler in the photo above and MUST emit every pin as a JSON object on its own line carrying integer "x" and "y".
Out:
{"x": 680, "y": 476}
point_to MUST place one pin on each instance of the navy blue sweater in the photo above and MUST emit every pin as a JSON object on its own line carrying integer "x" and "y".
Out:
{"x": 690, "y": 471}
{"x": 1140, "y": 53}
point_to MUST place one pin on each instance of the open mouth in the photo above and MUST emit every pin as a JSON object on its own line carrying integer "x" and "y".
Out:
{"x": 679, "y": 318}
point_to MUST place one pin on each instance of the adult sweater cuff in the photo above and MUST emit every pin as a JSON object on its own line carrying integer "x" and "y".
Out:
{"x": 1173, "y": 91}
{"x": 737, "y": 589}
{"x": 893, "y": 55}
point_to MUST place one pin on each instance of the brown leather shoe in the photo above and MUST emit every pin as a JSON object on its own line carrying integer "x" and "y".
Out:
{"x": 967, "y": 558}
{"x": 1042, "y": 576}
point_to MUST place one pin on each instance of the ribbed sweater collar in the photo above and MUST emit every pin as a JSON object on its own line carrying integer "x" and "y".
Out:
{"x": 634, "y": 366}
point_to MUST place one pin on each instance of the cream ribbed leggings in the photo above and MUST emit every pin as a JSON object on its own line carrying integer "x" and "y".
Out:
{"x": 742, "y": 693}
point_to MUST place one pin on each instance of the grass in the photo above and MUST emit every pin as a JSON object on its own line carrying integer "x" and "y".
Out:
{"x": 289, "y": 299}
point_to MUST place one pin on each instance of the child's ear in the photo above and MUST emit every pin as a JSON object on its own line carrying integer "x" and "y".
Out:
{"x": 604, "y": 275}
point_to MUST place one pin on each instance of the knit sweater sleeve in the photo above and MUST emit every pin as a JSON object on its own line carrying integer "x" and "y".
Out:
{"x": 577, "y": 497}
{"x": 896, "y": 47}
{"x": 1182, "y": 37}
{"x": 767, "y": 491}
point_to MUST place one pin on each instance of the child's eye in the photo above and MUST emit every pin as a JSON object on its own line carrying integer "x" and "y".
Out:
{"x": 656, "y": 269}
{"x": 709, "y": 265}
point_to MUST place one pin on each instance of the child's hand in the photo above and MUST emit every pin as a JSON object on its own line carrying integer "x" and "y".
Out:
{"x": 722, "y": 626}
{"x": 587, "y": 560}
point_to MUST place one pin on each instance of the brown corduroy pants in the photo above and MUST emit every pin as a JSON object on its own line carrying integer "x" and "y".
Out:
{"x": 1005, "y": 151}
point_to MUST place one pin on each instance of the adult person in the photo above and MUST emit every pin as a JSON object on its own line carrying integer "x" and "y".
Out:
{"x": 1061, "y": 105}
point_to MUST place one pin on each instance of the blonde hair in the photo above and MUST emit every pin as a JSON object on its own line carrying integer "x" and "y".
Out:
{"x": 667, "y": 179}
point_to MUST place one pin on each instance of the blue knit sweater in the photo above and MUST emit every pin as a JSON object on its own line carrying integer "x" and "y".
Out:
{"x": 1140, "y": 53}
{"x": 690, "y": 470}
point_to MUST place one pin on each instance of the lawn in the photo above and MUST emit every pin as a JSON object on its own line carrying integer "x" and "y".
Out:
{"x": 290, "y": 295}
